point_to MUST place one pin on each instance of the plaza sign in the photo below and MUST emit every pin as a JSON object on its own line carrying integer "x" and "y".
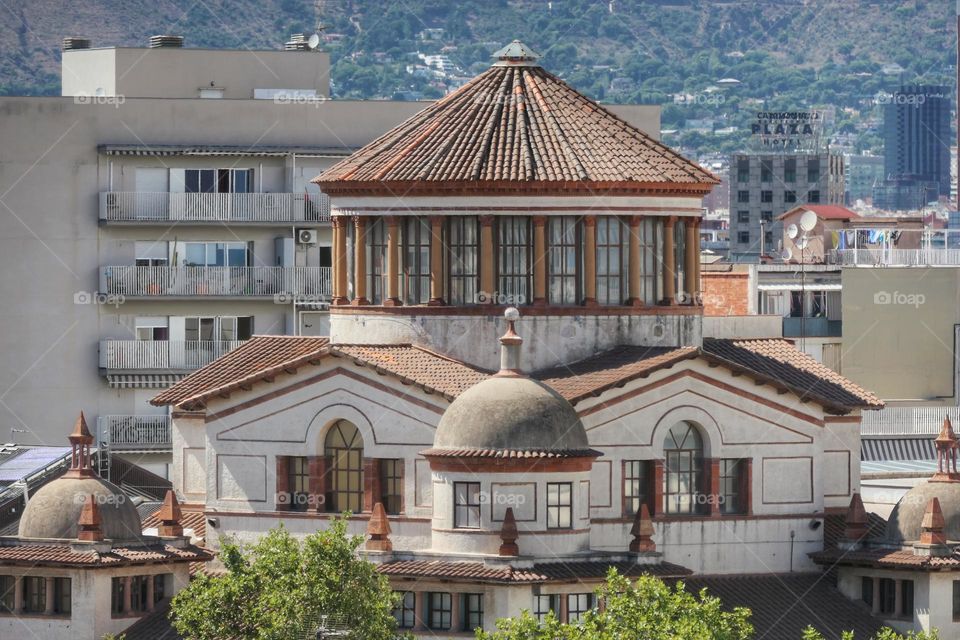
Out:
{"x": 798, "y": 130}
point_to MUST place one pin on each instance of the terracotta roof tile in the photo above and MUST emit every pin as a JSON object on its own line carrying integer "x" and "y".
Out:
{"x": 886, "y": 557}
{"x": 192, "y": 518}
{"x": 415, "y": 365}
{"x": 543, "y": 572}
{"x": 255, "y": 360}
{"x": 778, "y": 361}
{"x": 824, "y": 211}
{"x": 59, "y": 554}
{"x": 513, "y": 125}
{"x": 511, "y": 453}
{"x": 156, "y": 625}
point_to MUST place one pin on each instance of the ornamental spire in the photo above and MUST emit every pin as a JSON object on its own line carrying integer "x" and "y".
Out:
{"x": 89, "y": 525}
{"x": 510, "y": 344}
{"x": 378, "y": 528}
{"x": 509, "y": 535}
{"x": 80, "y": 441}
{"x": 946, "y": 445}
{"x": 169, "y": 516}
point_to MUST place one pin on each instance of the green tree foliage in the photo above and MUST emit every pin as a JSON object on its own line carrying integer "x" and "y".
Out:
{"x": 886, "y": 634}
{"x": 647, "y": 609}
{"x": 278, "y": 588}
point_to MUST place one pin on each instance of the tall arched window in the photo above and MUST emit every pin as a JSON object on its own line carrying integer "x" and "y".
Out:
{"x": 683, "y": 458}
{"x": 343, "y": 447}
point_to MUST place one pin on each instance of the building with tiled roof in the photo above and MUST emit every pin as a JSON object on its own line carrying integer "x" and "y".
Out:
{"x": 492, "y": 473}
{"x": 81, "y": 538}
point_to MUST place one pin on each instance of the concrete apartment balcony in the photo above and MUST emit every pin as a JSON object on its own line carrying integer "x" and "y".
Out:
{"x": 135, "y": 433}
{"x": 812, "y": 328}
{"x": 217, "y": 282}
{"x": 879, "y": 257}
{"x": 204, "y": 208}
{"x": 161, "y": 356}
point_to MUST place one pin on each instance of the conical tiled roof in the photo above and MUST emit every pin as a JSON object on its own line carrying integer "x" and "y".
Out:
{"x": 513, "y": 125}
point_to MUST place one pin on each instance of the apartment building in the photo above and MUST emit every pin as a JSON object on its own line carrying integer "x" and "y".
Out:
{"x": 764, "y": 186}
{"x": 158, "y": 215}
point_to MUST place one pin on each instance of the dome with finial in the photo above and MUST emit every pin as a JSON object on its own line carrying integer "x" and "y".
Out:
{"x": 55, "y": 510}
{"x": 510, "y": 414}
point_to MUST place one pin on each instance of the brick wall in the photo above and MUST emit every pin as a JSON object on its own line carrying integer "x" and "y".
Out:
{"x": 725, "y": 293}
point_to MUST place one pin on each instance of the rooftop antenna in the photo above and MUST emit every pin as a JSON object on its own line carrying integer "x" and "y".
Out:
{"x": 313, "y": 42}
{"x": 807, "y": 223}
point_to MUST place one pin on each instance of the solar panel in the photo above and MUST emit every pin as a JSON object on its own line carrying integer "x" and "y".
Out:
{"x": 29, "y": 461}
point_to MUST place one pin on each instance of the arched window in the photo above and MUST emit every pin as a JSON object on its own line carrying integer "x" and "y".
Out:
{"x": 343, "y": 447}
{"x": 683, "y": 461}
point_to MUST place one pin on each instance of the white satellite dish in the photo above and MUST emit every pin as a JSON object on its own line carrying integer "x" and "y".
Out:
{"x": 786, "y": 254}
{"x": 802, "y": 242}
{"x": 314, "y": 41}
{"x": 808, "y": 220}
{"x": 792, "y": 231}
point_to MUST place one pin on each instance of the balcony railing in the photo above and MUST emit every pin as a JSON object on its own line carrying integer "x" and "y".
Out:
{"x": 900, "y": 421}
{"x": 134, "y": 432}
{"x": 812, "y": 328}
{"x": 881, "y": 257}
{"x": 162, "y": 355}
{"x": 136, "y": 206}
{"x": 214, "y": 281}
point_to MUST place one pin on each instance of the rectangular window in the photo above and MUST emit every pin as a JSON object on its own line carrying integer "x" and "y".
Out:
{"x": 514, "y": 259}
{"x": 636, "y": 479}
{"x": 743, "y": 237}
{"x": 743, "y": 217}
{"x": 559, "y": 505}
{"x": 650, "y": 259}
{"x": 159, "y": 587}
{"x": 766, "y": 216}
{"x": 116, "y": 595}
{"x": 34, "y": 594}
{"x": 743, "y": 170}
{"x": 789, "y": 196}
{"x": 376, "y": 237}
{"x": 472, "y": 611}
{"x": 732, "y": 491}
{"x": 62, "y": 596}
{"x": 563, "y": 264}
{"x": 9, "y": 583}
{"x": 138, "y": 593}
{"x": 577, "y": 605}
{"x": 766, "y": 170}
{"x": 790, "y": 170}
{"x": 466, "y": 505}
{"x": 813, "y": 170}
{"x": 866, "y": 590}
{"x": 391, "y": 485}
{"x": 464, "y": 268}
{"x": 416, "y": 260}
{"x": 298, "y": 482}
{"x": 405, "y": 611}
{"x": 743, "y": 196}
{"x": 888, "y": 596}
{"x": 613, "y": 259}
{"x": 956, "y": 600}
{"x": 813, "y": 197}
{"x": 218, "y": 180}
{"x": 766, "y": 196}
{"x": 543, "y": 605}
{"x": 438, "y": 611}
{"x": 768, "y": 239}
{"x": 906, "y": 599}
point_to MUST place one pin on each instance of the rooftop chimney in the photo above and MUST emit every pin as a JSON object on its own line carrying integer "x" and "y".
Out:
{"x": 166, "y": 42}
{"x": 297, "y": 42}
{"x": 71, "y": 43}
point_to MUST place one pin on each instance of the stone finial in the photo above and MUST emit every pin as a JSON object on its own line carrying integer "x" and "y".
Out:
{"x": 80, "y": 441}
{"x": 170, "y": 516}
{"x": 378, "y": 528}
{"x": 509, "y": 535}
{"x": 946, "y": 445}
{"x": 642, "y": 532}
{"x": 88, "y": 526}
{"x": 933, "y": 536}
{"x": 510, "y": 344}
{"x": 855, "y": 522}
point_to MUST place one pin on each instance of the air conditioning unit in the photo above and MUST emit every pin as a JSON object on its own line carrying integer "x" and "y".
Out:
{"x": 306, "y": 236}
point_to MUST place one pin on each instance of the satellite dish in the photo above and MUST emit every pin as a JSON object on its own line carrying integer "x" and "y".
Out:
{"x": 313, "y": 42}
{"x": 808, "y": 220}
{"x": 792, "y": 231}
{"x": 802, "y": 242}
{"x": 786, "y": 254}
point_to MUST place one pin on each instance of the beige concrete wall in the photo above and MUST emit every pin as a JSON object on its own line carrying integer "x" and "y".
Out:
{"x": 898, "y": 330}
{"x": 181, "y": 72}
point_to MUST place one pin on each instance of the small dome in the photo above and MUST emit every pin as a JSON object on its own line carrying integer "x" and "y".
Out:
{"x": 54, "y": 510}
{"x": 511, "y": 413}
{"x": 904, "y": 523}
